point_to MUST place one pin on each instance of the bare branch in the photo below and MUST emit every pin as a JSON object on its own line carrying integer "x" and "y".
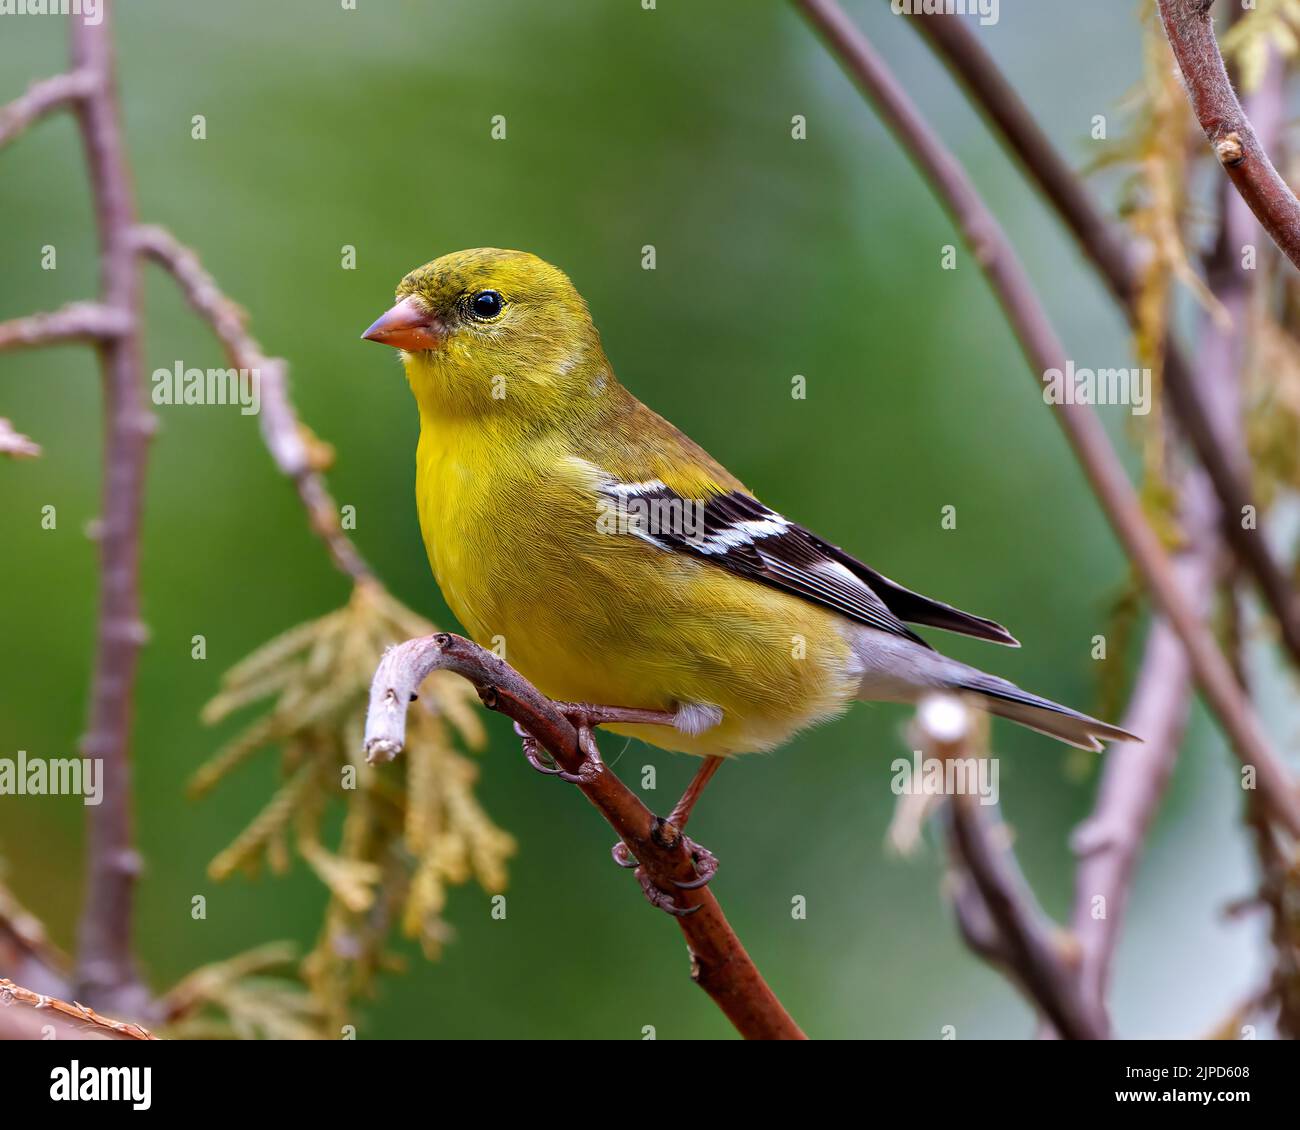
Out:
{"x": 287, "y": 439}
{"x": 42, "y": 98}
{"x": 719, "y": 963}
{"x": 997, "y": 912}
{"x": 1190, "y": 29}
{"x": 1198, "y": 411}
{"x": 1135, "y": 775}
{"x": 105, "y": 970}
{"x": 1044, "y": 351}
{"x": 16, "y": 445}
{"x": 24, "y": 1015}
{"x": 91, "y": 323}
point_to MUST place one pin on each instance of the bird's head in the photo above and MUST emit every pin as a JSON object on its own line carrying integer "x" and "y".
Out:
{"x": 488, "y": 331}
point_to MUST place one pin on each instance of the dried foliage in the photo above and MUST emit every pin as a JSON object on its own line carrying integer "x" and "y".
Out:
{"x": 253, "y": 996}
{"x": 1271, "y": 24}
{"x": 409, "y": 831}
{"x": 1273, "y": 411}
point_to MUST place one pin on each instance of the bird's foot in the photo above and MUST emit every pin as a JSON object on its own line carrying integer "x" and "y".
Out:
{"x": 585, "y": 716}
{"x": 660, "y": 899}
{"x": 706, "y": 863}
{"x": 545, "y": 764}
{"x": 706, "y": 866}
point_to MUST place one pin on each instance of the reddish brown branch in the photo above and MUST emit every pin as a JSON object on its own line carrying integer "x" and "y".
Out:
{"x": 719, "y": 963}
{"x": 290, "y": 444}
{"x": 41, "y": 99}
{"x": 1190, "y": 29}
{"x": 1044, "y": 351}
{"x": 90, "y": 323}
{"x": 25, "y": 1015}
{"x": 1197, "y": 410}
{"x": 105, "y": 971}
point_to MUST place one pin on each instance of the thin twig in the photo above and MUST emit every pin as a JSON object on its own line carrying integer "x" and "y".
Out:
{"x": 91, "y": 323}
{"x": 1044, "y": 351}
{"x": 1190, "y": 29}
{"x": 69, "y": 1019}
{"x": 997, "y": 912}
{"x": 1215, "y": 443}
{"x": 719, "y": 963}
{"x": 286, "y": 438}
{"x": 42, "y": 98}
{"x": 105, "y": 970}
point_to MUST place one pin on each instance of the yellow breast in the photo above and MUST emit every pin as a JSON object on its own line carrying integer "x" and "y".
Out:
{"x": 513, "y": 538}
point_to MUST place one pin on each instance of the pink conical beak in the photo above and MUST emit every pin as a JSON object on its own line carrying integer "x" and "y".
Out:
{"x": 407, "y": 326}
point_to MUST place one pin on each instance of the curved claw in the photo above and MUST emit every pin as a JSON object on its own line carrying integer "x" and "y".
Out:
{"x": 706, "y": 866}
{"x": 546, "y": 765}
{"x": 661, "y": 900}
{"x": 591, "y": 763}
{"x": 623, "y": 856}
{"x": 533, "y": 754}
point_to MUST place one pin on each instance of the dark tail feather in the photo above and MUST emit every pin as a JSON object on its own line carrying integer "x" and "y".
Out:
{"x": 913, "y": 608}
{"x": 1007, "y": 700}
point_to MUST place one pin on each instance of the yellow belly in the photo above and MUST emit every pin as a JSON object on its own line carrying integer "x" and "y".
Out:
{"x": 606, "y": 618}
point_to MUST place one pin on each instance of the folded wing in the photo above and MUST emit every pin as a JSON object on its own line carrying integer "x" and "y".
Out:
{"x": 738, "y": 533}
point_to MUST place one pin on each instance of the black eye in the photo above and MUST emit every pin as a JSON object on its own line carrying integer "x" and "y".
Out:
{"x": 486, "y": 304}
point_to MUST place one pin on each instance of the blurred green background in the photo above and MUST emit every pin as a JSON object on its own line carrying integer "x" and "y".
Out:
{"x": 626, "y": 127}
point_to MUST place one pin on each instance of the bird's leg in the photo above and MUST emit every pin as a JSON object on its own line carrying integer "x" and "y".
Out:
{"x": 706, "y": 863}
{"x": 585, "y": 716}
{"x": 592, "y": 714}
{"x": 682, "y": 809}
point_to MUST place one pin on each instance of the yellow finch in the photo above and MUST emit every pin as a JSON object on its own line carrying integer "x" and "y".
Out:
{"x": 617, "y": 561}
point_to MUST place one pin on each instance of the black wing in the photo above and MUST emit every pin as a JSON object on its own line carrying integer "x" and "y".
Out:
{"x": 740, "y": 534}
